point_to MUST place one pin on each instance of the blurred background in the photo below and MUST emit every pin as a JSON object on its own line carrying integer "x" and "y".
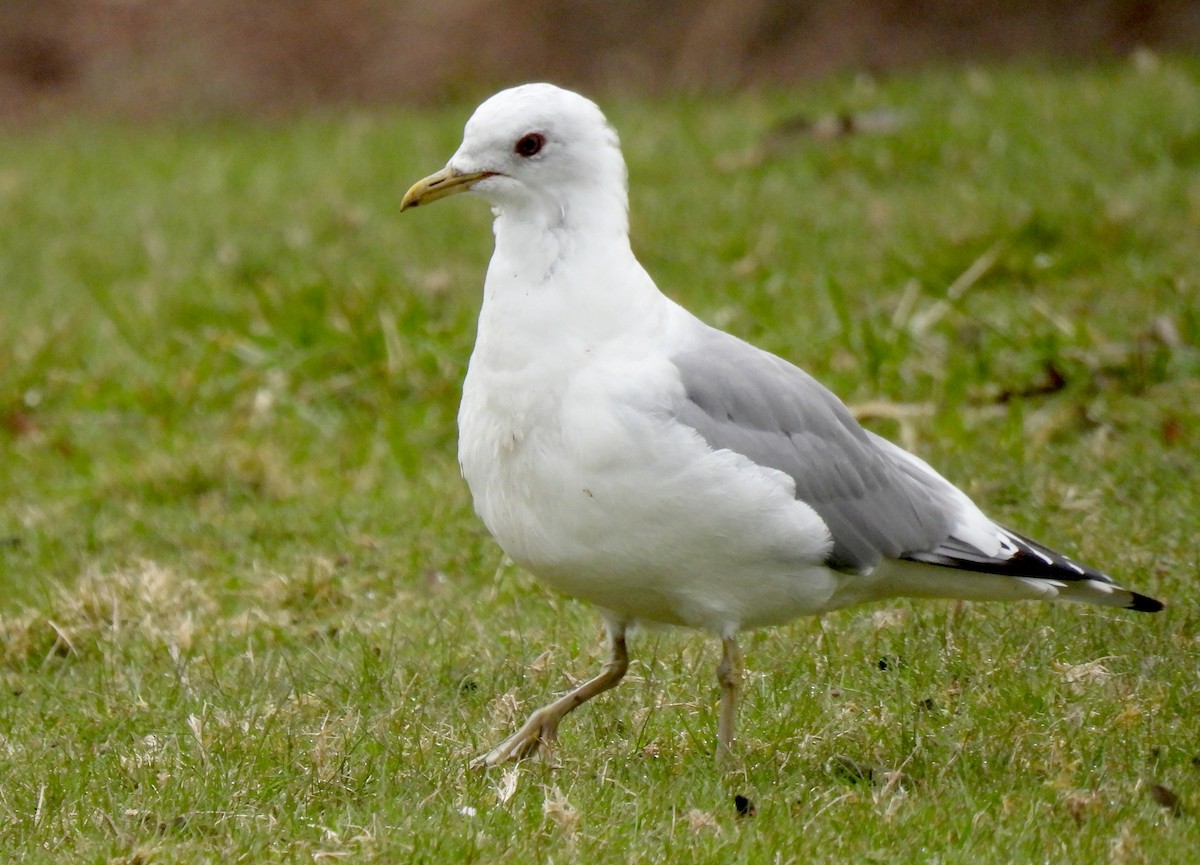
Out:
{"x": 143, "y": 58}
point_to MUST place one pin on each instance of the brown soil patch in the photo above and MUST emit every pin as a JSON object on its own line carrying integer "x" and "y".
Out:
{"x": 147, "y": 57}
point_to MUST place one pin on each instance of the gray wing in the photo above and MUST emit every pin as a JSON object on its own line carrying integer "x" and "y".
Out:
{"x": 746, "y": 400}
{"x": 875, "y": 501}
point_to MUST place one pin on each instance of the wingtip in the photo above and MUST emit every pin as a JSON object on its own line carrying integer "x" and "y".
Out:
{"x": 1144, "y": 603}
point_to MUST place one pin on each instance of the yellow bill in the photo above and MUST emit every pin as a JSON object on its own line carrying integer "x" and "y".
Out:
{"x": 441, "y": 184}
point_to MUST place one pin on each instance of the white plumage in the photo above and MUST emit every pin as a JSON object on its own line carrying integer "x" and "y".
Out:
{"x": 629, "y": 455}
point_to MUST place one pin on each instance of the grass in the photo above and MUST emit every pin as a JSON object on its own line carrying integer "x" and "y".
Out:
{"x": 248, "y": 614}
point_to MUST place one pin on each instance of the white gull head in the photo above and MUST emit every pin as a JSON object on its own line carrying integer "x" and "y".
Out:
{"x": 541, "y": 154}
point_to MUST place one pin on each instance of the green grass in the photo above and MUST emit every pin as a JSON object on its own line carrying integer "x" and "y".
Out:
{"x": 247, "y": 612}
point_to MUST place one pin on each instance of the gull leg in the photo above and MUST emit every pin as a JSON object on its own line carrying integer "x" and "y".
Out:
{"x": 542, "y": 726}
{"x": 729, "y": 675}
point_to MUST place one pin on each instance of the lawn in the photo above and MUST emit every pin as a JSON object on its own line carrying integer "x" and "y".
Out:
{"x": 248, "y": 615}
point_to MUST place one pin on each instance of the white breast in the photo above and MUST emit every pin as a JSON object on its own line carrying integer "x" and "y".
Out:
{"x": 591, "y": 485}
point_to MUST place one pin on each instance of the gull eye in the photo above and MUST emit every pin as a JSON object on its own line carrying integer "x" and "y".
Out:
{"x": 529, "y": 145}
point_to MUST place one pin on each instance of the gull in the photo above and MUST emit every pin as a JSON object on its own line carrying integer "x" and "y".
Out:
{"x": 629, "y": 455}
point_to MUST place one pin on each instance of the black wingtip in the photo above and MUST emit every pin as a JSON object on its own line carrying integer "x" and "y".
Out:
{"x": 1144, "y": 604}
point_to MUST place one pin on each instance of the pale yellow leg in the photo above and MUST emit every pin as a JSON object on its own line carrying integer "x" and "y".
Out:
{"x": 729, "y": 675}
{"x": 542, "y": 726}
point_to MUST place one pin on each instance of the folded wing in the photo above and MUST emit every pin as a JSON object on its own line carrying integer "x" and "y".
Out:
{"x": 878, "y": 501}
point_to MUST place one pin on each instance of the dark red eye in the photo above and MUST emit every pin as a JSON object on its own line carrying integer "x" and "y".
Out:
{"x": 529, "y": 145}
